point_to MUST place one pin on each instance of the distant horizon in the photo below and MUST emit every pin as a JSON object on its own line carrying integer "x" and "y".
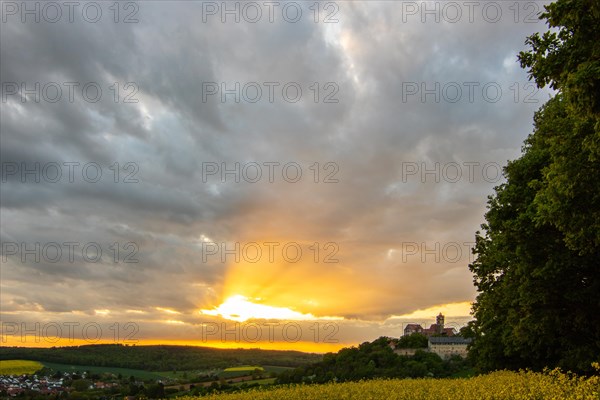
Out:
{"x": 226, "y": 342}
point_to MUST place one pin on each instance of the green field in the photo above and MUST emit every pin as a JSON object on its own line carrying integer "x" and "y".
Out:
{"x": 276, "y": 369}
{"x": 249, "y": 368}
{"x": 19, "y": 367}
{"x": 242, "y": 370}
{"x": 180, "y": 374}
{"x": 125, "y": 372}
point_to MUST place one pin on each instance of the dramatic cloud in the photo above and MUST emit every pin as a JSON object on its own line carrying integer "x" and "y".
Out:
{"x": 330, "y": 167}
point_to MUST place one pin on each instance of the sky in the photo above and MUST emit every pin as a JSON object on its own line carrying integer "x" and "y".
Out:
{"x": 287, "y": 175}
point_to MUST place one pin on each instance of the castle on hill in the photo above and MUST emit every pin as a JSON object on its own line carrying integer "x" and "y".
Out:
{"x": 445, "y": 342}
{"x": 434, "y": 329}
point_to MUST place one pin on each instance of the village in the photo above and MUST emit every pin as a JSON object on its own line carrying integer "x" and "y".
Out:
{"x": 14, "y": 385}
{"x": 57, "y": 384}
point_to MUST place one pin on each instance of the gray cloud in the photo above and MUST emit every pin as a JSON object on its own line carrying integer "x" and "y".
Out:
{"x": 171, "y": 132}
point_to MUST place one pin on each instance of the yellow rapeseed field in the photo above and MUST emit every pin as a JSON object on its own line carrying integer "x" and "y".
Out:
{"x": 19, "y": 367}
{"x": 551, "y": 385}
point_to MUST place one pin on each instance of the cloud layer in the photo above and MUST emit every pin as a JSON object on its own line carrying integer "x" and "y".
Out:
{"x": 399, "y": 131}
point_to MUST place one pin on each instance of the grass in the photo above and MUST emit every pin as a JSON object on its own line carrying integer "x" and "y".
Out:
{"x": 125, "y": 372}
{"x": 189, "y": 374}
{"x": 249, "y": 368}
{"x": 276, "y": 369}
{"x": 19, "y": 367}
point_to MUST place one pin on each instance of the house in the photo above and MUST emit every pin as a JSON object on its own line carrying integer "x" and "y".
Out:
{"x": 447, "y": 346}
{"x": 434, "y": 329}
{"x": 412, "y": 328}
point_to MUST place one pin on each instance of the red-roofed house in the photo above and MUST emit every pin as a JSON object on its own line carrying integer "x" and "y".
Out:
{"x": 434, "y": 329}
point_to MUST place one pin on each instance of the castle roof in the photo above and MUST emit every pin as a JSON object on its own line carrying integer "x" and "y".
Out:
{"x": 449, "y": 340}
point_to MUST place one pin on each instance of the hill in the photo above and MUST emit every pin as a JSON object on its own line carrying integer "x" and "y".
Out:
{"x": 158, "y": 358}
{"x": 375, "y": 360}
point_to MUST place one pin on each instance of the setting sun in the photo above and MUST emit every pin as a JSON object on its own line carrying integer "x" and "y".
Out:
{"x": 240, "y": 308}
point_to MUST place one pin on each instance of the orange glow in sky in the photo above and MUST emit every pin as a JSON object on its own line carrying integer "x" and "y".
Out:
{"x": 240, "y": 308}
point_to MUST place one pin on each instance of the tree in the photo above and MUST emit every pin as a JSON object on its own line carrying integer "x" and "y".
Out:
{"x": 155, "y": 391}
{"x": 133, "y": 389}
{"x": 413, "y": 341}
{"x": 81, "y": 385}
{"x": 536, "y": 269}
{"x": 538, "y": 299}
{"x": 568, "y": 60}
{"x": 567, "y": 57}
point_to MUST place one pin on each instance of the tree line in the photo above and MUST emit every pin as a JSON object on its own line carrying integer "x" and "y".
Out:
{"x": 158, "y": 358}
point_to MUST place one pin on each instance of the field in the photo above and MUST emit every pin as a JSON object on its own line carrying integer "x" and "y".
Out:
{"x": 497, "y": 385}
{"x": 126, "y": 372}
{"x": 276, "y": 369}
{"x": 180, "y": 374}
{"x": 19, "y": 367}
{"x": 235, "y": 372}
{"x": 247, "y": 368}
{"x": 243, "y": 370}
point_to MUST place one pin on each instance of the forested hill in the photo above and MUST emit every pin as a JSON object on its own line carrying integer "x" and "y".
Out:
{"x": 159, "y": 358}
{"x": 376, "y": 360}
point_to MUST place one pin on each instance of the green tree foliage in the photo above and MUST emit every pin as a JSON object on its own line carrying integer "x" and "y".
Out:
{"x": 158, "y": 358}
{"x": 373, "y": 360}
{"x": 568, "y": 59}
{"x": 537, "y": 267}
{"x": 81, "y": 385}
{"x": 155, "y": 391}
{"x": 412, "y": 341}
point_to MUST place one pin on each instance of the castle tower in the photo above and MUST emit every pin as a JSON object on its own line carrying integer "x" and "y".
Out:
{"x": 439, "y": 321}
